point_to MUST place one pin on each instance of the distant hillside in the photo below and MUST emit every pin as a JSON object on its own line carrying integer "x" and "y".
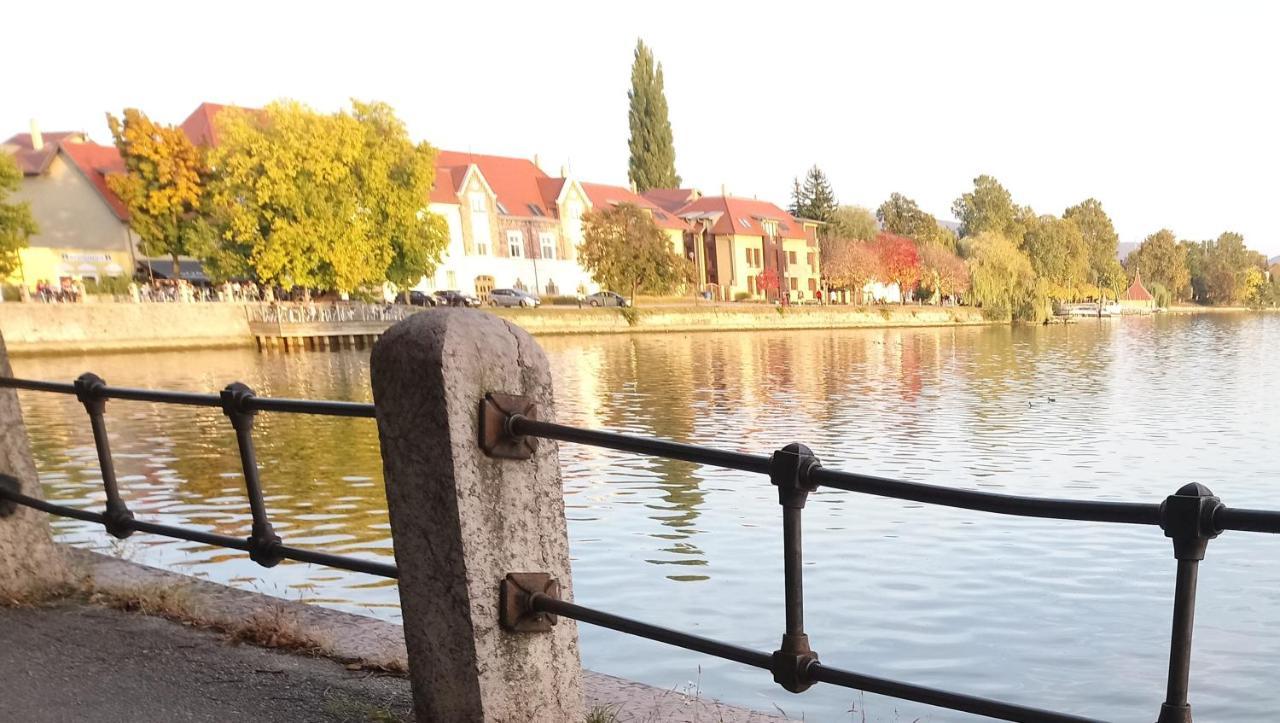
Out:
{"x": 1274, "y": 261}
{"x": 1125, "y": 248}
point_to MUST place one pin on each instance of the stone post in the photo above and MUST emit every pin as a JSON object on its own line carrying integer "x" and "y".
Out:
{"x": 30, "y": 563}
{"x": 461, "y": 520}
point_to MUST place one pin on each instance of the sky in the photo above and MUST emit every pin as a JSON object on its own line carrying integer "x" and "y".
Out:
{"x": 1168, "y": 112}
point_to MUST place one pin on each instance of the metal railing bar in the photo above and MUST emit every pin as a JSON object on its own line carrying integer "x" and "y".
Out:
{"x": 1230, "y": 518}
{"x": 310, "y": 406}
{"x": 522, "y": 425}
{"x": 1133, "y": 513}
{"x": 834, "y": 676}
{"x": 265, "y": 404}
{"x": 940, "y": 698}
{"x": 352, "y": 564}
{"x": 36, "y": 385}
{"x": 746, "y": 656}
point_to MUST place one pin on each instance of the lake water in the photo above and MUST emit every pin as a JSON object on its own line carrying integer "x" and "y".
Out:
{"x": 1069, "y": 616}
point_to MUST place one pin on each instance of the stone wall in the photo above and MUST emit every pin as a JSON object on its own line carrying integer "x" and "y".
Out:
{"x": 51, "y": 328}
{"x": 743, "y": 317}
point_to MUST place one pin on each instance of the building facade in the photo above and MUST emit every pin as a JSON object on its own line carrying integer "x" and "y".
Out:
{"x": 83, "y": 226}
{"x": 746, "y": 248}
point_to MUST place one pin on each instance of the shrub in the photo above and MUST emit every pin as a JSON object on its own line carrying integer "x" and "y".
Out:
{"x": 741, "y": 296}
{"x": 114, "y": 285}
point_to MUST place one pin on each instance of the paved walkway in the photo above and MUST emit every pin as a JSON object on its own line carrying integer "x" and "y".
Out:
{"x": 82, "y": 662}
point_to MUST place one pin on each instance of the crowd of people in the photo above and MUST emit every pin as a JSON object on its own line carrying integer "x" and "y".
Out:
{"x": 72, "y": 290}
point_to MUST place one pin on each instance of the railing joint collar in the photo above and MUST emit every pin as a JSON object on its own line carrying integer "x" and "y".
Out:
{"x": 235, "y": 404}
{"x": 791, "y": 663}
{"x": 789, "y": 470}
{"x": 90, "y": 390}
{"x": 1187, "y": 517}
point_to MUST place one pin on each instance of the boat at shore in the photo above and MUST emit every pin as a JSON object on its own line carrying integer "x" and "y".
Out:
{"x": 1089, "y": 309}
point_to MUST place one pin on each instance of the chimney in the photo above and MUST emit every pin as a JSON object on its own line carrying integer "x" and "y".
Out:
{"x": 564, "y": 170}
{"x": 37, "y": 140}
{"x": 724, "y": 190}
{"x": 536, "y": 163}
{"x": 634, "y": 188}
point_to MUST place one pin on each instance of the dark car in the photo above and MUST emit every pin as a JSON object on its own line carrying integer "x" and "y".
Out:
{"x": 421, "y": 298}
{"x": 453, "y": 297}
{"x": 513, "y": 297}
{"x": 607, "y": 298}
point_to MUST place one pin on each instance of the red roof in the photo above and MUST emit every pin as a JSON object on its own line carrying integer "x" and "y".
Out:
{"x": 671, "y": 199}
{"x": 32, "y": 162}
{"x": 199, "y": 126}
{"x": 1136, "y": 291}
{"x": 729, "y": 215}
{"x": 603, "y": 196}
{"x": 96, "y": 162}
{"x": 517, "y": 182}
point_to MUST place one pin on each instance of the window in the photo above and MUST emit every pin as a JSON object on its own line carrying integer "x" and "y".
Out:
{"x": 791, "y": 257}
{"x": 480, "y": 222}
{"x": 515, "y": 243}
{"x": 452, "y": 277}
{"x": 536, "y": 210}
{"x": 502, "y": 209}
{"x": 746, "y": 223}
{"x": 794, "y": 286}
{"x": 547, "y": 240}
{"x": 810, "y": 260}
{"x": 770, "y": 228}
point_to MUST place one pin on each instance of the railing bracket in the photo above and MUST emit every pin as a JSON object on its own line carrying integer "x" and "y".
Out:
{"x": 10, "y": 486}
{"x": 790, "y": 664}
{"x": 515, "y": 602}
{"x": 496, "y": 439}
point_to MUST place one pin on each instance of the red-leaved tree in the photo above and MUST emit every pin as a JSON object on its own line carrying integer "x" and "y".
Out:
{"x": 899, "y": 261}
{"x": 768, "y": 282}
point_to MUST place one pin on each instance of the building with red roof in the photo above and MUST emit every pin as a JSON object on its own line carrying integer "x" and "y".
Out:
{"x": 1136, "y": 299}
{"x": 511, "y": 225}
{"x": 738, "y": 243}
{"x": 84, "y": 226}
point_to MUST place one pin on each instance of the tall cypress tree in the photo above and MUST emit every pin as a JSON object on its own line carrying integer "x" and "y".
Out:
{"x": 653, "y": 151}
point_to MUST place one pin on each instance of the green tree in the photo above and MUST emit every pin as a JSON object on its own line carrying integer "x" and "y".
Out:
{"x": 624, "y": 249}
{"x": 1196, "y": 268}
{"x": 853, "y": 222}
{"x": 1227, "y": 262}
{"x": 162, "y": 186}
{"x": 1002, "y": 279}
{"x": 814, "y": 198}
{"x": 653, "y": 150}
{"x": 1057, "y": 252}
{"x": 1102, "y": 241}
{"x": 396, "y": 176}
{"x": 901, "y": 216}
{"x": 16, "y": 223}
{"x": 1162, "y": 260}
{"x": 989, "y": 207}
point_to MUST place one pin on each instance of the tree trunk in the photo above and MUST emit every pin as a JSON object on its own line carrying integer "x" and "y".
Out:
{"x": 177, "y": 268}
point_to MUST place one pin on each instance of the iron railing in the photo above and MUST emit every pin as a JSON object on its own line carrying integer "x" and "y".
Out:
{"x": 328, "y": 312}
{"x": 1190, "y": 518}
{"x": 240, "y": 405}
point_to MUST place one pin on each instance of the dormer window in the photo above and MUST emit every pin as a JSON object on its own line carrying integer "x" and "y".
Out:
{"x": 536, "y": 210}
{"x": 502, "y": 209}
{"x": 746, "y": 222}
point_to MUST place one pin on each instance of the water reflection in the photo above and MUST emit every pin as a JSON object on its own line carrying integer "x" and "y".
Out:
{"x": 1056, "y": 614}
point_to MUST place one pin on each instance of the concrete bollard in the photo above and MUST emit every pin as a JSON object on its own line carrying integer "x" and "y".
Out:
{"x": 30, "y": 563}
{"x": 461, "y": 521}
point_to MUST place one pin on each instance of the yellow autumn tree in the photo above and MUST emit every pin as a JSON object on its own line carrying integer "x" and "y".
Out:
{"x": 320, "y": 200}
{"x": 162, "y": 186}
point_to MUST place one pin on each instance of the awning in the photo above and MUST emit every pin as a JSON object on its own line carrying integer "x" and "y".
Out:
{"x": 192, "y": 271}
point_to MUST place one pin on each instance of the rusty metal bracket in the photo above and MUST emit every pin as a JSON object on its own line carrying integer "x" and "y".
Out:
{"x": 10, "y": 485}
{"x": 515, "y": 602}
{"x": 496, "y": 438}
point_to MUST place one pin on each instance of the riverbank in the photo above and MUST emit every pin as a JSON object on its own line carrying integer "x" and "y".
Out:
{"x": 79, "y": 328}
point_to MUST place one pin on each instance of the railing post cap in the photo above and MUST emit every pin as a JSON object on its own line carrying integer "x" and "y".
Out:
{"x": 1187, "y": 518}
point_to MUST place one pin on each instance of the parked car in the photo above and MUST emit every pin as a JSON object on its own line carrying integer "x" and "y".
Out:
{"x": 421, "y": 298}
{"x": 513, "y": 297}
{"x": 607, "y": 298}
{"x": 453, "y": 297}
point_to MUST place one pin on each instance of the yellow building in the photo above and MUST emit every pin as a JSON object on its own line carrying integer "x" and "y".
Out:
{"x": 746, "y": 247}
{"x": 84, "y": 227}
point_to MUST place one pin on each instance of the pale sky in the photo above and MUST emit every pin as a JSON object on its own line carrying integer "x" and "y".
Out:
{"x": 1168, "y": 112}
